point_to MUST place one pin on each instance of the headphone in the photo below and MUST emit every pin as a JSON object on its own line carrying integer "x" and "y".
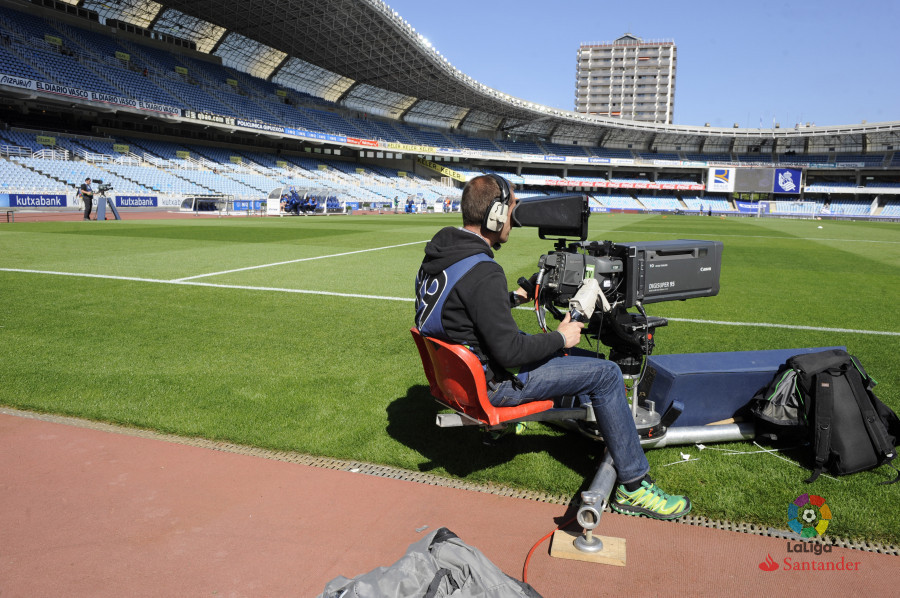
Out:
{"x": 497, "y": 213}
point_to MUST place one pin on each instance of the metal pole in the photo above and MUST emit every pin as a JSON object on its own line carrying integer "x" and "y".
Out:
{"x": 593, "y": 501}
{"x": 698, "y": 434}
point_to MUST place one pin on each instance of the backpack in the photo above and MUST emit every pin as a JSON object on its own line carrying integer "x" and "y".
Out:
{"x": 826, "y": 399}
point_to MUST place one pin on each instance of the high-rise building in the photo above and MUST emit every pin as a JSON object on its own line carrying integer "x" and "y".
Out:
{"x": 629, "y": 78}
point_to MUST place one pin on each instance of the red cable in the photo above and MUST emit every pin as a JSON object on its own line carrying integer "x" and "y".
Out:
{"x": 537, "y": 291}
{"x": 538, "y": 543}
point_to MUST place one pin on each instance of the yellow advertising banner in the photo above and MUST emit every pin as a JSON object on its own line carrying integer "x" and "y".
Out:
{"x": 442, "y": 169}
{"x": 419, "y": 149}
{"x": 121, "y": 148}
{"x": 45, "y": 139}
{"x": 281, "y": 93}
{"x": 181, "y": 70}
{"x": 232, "y": 82}
{"x": 280, "y": 163}
{"x": 235, "y": 159}
{"x": 123, "y": 56}
{"x": 52, "y": 40}
{"x": 183, "y": 154}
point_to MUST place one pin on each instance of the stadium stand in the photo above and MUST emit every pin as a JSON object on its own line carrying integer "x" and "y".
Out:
{"x": 883, "y": 184}
{"x": 17, "y": 178}
{"x": 755, "y": 159}
{"x": 473, "y": 143}
{"x": 610, "y": 153}
{"x": 721, "y": 158}
{"x": 704, "y": 204}
{"x": 530, "y": 194}
{"x": 891, "y": 208}
{"x": 660, "y": 203}
{"x": 13, "y": 65}
{"x": 805, "y": 208}
{"x": 618, "y": 202}
{"x": 659, "y": 156}
{"x": 519, "y": 147}
{"x": 831, "y": 187}
{"x": 859, "y": 160}
{"x": 62, "y": 53}
{"x": 804, "y": 159}
{"x": 847, "y": 207}
{"x": 565, "y": 150}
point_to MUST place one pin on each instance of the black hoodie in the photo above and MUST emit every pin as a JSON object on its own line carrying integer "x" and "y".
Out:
{"x": 477, "y": 311}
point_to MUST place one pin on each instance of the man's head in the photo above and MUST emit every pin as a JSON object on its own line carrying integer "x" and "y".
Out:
{"x": 88, "y": 180}
{"x": 487, "y": 202}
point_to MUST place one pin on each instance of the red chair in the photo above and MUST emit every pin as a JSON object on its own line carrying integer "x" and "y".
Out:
{"x": 457, "y": 380}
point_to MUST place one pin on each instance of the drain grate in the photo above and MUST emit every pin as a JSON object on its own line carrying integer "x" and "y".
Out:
{"x": 430, "y": 479}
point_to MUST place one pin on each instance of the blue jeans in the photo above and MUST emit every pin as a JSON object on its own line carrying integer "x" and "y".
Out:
{"x": 590, "y": 380}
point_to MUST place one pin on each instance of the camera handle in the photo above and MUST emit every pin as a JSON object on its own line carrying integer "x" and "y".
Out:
{"x": 581, "y": 306}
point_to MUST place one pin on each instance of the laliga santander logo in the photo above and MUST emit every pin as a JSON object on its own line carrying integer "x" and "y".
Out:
{"x": 809, "y": 516}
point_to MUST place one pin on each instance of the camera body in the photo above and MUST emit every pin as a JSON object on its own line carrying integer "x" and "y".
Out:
{"x": 628, "y": 274}
{"x": 102, "y": 187}
{"x": 635, "y": 273}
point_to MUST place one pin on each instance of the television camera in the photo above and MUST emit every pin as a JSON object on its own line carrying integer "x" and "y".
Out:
{"x": 598, "y": 282}
{"x": 102, "y": 187}
{"x": 627, "y": 275}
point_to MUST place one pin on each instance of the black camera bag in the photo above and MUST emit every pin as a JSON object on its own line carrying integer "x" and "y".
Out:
{"x": 827, "y": 398}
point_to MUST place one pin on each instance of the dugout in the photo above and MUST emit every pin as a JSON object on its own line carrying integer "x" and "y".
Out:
{"x": 208, "y": 203}
{"x": 328, "y": 201}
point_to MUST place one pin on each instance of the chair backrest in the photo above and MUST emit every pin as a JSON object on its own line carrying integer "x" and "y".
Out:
{"x": 456, "y": 377}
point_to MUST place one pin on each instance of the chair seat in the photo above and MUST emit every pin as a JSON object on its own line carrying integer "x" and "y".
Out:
{"x": 510, "y": 413}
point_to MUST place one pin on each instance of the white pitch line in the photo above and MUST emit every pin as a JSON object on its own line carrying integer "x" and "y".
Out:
{"x": 303, "y": 259}
{"x": 410, "y": 300}
{"x": 301, "y": 291}
{"x": 189, "y": 283}
{"x": 791, "y": 326}
{"x": 657, "y": 232}
{"x": 83, "y": 275}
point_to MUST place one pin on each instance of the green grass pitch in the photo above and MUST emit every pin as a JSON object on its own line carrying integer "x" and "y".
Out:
{"x": 293, "y": 334}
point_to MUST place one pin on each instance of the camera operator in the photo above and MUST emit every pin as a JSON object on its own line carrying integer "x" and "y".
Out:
{"x": 461, "y": 296}
{"x": 87, "y": 196}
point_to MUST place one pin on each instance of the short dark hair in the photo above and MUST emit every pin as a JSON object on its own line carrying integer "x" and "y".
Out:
{"x": 87, "y": 178}
{"x": 477, "y": 196}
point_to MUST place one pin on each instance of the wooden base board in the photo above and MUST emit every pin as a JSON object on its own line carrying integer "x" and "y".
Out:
{"x": 562, "y": 546}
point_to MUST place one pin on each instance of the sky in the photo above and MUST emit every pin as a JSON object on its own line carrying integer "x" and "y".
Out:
{"x": 751, "y": 63}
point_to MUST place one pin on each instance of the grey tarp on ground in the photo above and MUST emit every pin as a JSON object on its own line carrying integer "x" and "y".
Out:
{"x": 440, "y": 564}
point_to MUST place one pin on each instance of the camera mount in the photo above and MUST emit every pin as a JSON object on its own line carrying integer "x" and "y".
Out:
{"x": 104, "y": 200}
{"x": 625, "y": 275}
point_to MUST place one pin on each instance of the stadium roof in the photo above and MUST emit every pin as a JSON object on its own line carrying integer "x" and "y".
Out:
{"x": 365, "y": 56}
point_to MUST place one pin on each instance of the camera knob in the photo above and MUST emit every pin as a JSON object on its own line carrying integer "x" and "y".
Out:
{"x": 576, "y": 316}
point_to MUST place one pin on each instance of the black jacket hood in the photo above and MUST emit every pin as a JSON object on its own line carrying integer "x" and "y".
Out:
{"x": 451, "y": 245}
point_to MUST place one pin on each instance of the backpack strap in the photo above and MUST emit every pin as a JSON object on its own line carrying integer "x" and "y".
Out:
{"x": 434, "y": 588}
{"x": 874, "y": 425}
{"x": 896, "y": 478}
{"x": 824, "y": 406}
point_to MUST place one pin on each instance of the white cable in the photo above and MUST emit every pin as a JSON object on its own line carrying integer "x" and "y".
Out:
{"x": 604, "y": 302}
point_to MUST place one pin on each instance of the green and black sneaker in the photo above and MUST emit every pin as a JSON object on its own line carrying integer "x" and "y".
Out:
{"x": 649, "y": 500}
